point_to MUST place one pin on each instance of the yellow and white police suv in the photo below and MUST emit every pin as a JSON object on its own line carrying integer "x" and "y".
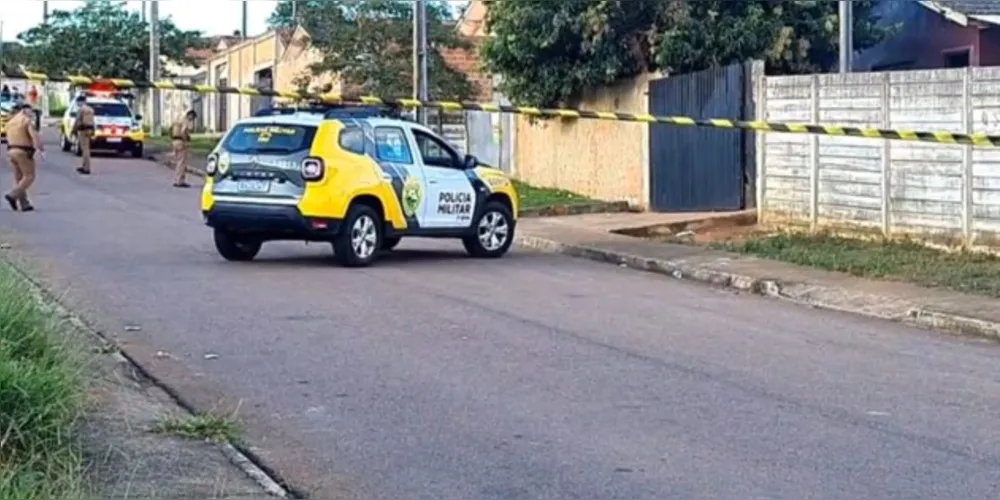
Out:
{"x": 354, "y": 178}
{"x": 116, "y": 126}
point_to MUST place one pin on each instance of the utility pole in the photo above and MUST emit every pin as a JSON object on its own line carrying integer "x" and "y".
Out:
{"x": 244, "y": 31}
{"x": 420, "y": 56}
{"x": 846, "y": 36}
{"x": 44, "y": 91}
{"x": 154, "y": 64}
{"x": 142, "y": 8}
{"x": 295, "y": 17}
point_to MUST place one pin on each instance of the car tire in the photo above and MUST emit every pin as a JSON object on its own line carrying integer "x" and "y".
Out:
{"x": 390, "y": 242}
{"x": 137, "y": 151}
{"x": 358, "y": 242}
{"x": 487, "y": 241}
{"x": 77, "y": 150}
{"x": 235, "y": 249}
{"x": 65, "y": 144}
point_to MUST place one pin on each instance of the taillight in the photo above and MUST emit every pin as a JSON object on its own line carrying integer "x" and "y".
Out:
{"x": 312, "y": 168}
{"x": 212, "y": 164}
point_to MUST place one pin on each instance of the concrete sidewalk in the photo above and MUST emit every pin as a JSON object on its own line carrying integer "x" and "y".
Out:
{"x": 938, "y": 309}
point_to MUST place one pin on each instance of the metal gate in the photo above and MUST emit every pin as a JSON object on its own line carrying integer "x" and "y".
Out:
{"x": 701, "y": 169}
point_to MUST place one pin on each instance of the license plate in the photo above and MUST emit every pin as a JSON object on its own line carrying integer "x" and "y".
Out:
{"x": 114, "y": 139}
{"x": 253, "y": 186}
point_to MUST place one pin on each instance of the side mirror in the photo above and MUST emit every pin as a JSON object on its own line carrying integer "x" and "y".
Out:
{"x": 138, "y": 118}
{"x": 470, "y": 162}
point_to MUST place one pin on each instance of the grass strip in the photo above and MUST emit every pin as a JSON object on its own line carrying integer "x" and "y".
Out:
{"x": 538, "y": 197}
{"x": 967, "y": 272}
{"x": 41, "y": 398}
{"x": 205, "y": 427}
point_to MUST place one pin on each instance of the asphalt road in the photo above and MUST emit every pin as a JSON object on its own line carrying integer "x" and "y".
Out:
{"x": 433, "y": 376}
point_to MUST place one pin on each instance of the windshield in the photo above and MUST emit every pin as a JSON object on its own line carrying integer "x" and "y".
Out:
{"x": 269, "y": 139}
{"x": 109, "y": 109}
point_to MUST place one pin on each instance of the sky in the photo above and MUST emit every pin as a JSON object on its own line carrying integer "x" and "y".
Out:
{"x": 213, "y": 17}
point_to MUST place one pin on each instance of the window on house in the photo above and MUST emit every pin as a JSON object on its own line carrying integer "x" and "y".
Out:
{"x": 958, "y": 59}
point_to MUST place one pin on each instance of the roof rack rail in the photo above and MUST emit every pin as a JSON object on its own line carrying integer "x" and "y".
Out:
{"x": 333, "y": 111}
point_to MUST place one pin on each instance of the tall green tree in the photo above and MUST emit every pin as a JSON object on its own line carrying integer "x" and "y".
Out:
{"x": 12, "y": 53}
{"x": 102, "y": 38}
{"x": 549, "y": 51}
{"x": 369, "y": 44}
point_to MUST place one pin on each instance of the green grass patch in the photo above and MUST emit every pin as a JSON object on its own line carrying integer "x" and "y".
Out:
{"x": 200, "y": 144}
{"x": 536, "y": 197}
{"x": 41, "y": 398}
{"x": 967, "y": 272}
{"x": 205, "y": 427}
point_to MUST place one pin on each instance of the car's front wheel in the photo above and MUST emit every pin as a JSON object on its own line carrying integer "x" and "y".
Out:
{"x": 66, "y": 145}
{"x": 493, "y": 232}
{"x": 360, "y": 238}
{"x": 234, "y": 248}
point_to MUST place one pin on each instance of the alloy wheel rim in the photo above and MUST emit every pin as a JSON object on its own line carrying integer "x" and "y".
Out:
{"x": 363, "y": 237}
{"x": 493, "y": 231}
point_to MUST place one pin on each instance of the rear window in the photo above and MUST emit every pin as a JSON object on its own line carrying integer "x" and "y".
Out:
{"x": 109, "y": 109}
{"x": 269, "y": 139}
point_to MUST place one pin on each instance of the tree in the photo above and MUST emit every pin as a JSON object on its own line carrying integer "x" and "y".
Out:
{"x": 11, "y": 54}
{"x": 584, "y": 43}
{"x": 369, "y": 44}
{"x": 102, "y": 38}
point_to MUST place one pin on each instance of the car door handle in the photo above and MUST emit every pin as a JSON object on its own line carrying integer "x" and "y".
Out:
{"x": 432, "y": 181}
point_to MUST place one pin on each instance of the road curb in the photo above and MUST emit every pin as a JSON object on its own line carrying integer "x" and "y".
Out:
{"x": 237, "y": 455}
{"x": 163, "y": 159}
{"x": 918, "y": 316}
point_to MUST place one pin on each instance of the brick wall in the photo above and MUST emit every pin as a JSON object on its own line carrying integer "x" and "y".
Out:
{"x": 467, "y": 62}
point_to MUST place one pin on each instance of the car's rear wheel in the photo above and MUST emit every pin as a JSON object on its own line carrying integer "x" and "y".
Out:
{"x": 493, "y": 232}
{"x": 390, "y": 242}
{"x": 235, "y": 248}
{"x": 66, "y": 145}
{"x": 137, "y": 151}
{"x": 359, "y": 240}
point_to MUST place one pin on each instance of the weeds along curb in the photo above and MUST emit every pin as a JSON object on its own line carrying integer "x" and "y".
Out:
{"x": 920, "y": 317}
{"x": 237, "y": 455}
{"x": 44, "y": 395}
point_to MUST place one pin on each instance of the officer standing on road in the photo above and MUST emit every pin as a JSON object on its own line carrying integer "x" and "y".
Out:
{"x": 180, "y": 139}
{"x": 22, "y": 143}
{"x": 83, "y": 128}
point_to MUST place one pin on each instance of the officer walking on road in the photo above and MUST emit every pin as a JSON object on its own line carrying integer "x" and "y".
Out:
{"x": 83, "y": 128}
{"x": 180, "y": 138}
{"x": 22, "y": 143}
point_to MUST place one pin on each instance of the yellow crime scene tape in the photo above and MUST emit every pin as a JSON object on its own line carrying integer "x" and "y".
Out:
{"x": 977, "y": 139}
